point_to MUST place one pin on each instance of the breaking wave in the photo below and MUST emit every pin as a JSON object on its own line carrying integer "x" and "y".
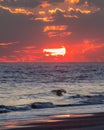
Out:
{"x": 83, "y": 100}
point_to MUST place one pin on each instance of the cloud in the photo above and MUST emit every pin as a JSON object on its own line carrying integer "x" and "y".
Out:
{"x": 44, "y": 19}
{"x": 78, "y": 10}
{"x": 17, "y": 10}
{"x": 95, "y": 54}
{"x": 72, "y": 1}
{"x": 55, "y": 1}
{"x": 97, "y": 3}
{"x": 53, "y": 11}
{"x": 56, "y": 31}
{"x": 20, "y": 3}
{"x": 55, "y": 28}
{"x": 35, "y": 24}
{"x": 82, "y": 25}
{"x": 26, "y": 54}
{"x": 58, "y": 34}
{"x": 7, "y": 44}
{"x": 86, "y": 51}
{"x": 45, "y": 5}
{"x": 91, "y": 26}
{"x": 18, "y": 27}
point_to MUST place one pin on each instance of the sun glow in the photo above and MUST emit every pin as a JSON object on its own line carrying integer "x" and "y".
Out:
{"x": 55, "y": 51}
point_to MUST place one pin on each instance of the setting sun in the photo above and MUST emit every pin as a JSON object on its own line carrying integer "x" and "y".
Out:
{"x": 55, "y": 51}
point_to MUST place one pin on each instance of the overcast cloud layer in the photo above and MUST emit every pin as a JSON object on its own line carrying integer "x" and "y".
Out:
{"x": 29, "y": 26}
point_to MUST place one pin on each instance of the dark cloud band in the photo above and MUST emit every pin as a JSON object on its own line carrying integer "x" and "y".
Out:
{"x": 97, "y": 3}
{"x": 20, "y": 3}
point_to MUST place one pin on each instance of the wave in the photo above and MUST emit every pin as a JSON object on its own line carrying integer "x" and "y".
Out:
{"x": 89, "y": 99}
{"x": 83, "y": 100}
{"x": 36, "y": 105}
{"x": 5, "y": 109}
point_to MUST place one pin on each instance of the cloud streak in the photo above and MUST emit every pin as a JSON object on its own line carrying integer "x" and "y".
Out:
{"x": 36, "y": 24}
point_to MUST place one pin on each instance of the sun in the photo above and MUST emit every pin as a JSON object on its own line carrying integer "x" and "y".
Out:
{"x": 55, "y": 51}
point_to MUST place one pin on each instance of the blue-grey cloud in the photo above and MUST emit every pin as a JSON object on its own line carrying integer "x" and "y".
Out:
{"x": 19, "y": 27}
{"x": 55, "y": 1}
{"x": 86, "y": 26}
{"x": 97, "y": 3}
{"x": 20, "y": 3}
{"x": 27, "y": 31}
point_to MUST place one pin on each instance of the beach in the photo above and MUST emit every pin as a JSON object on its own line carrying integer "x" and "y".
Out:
{"x": 93, "y": 121}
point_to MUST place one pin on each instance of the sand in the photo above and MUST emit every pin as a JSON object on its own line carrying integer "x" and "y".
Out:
{"x": 60, "y": 122}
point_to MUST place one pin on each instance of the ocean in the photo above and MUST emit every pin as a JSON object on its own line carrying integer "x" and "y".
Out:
{"x": 30, "y": 90}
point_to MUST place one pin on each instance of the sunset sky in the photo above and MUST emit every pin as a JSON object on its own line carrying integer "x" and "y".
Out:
{"x": 27, "y": 27}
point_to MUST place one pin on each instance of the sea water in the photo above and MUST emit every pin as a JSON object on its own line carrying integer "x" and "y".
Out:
{"x": 26, "y": 89}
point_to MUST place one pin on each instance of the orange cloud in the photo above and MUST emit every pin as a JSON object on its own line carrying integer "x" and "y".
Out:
{"x": 72, "y": 1}
{"x": 44, "y": 5}
{"x": 45, "y": 19}
{"x": 55, "y": 28}
{"x": 30, "y": 47}
{"x": 87, "y": 46}
{"x": 28, "y": 53}
{"x": 10, "y": 59}
{"x": 22, "y": 11}
{"x": 62, "y": 34}
{"x": 74, "y": 53}
{"x": 53, "y": 11}
{"x": 48, "y": 12}
{"x": 17, "y": 10}
{"x": 79, "y": 52}
{"x": 42, "y": 12}
{"x": 70, "y": 16}
{"x": 59, "y": 30}
{"x": 27, "y": 49}
{"x": 83, "y": 11}
{"x": 7, "y": 44}
{"x": 90, "y": 46}
{"x": 5, "y": 8}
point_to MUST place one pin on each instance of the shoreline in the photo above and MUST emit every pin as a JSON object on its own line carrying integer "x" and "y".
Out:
{"x": 94, "y": 121}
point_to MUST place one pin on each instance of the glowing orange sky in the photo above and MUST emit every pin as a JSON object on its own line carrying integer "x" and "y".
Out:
{"x": 28, "y": 27}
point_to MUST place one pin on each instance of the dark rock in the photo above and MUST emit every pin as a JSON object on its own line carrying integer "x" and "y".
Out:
{"x": 59, "y": 92}
{"x": 2, "y": 106}
{"x": 42, "y": 105}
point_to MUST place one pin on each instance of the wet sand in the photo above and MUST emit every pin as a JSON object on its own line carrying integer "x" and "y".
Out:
{"x": 60, "y": 122}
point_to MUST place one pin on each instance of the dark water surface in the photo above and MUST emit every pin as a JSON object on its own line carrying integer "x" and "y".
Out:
{"x": 26, "y": 89}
